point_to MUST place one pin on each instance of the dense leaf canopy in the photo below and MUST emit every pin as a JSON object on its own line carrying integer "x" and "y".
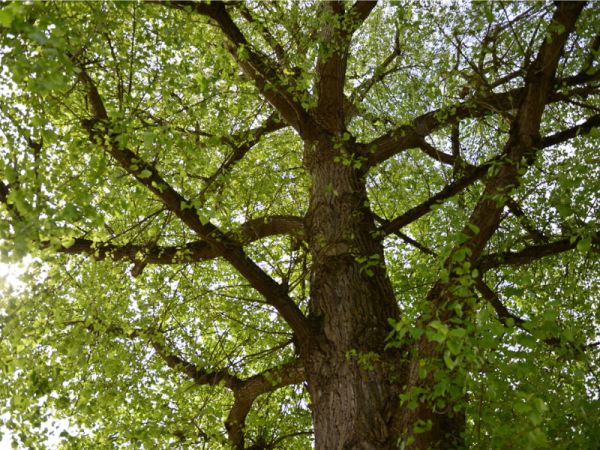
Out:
{"x": 156, "y": 160}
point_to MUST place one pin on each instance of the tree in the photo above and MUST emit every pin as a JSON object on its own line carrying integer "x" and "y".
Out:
{"x": 271, "y": 225}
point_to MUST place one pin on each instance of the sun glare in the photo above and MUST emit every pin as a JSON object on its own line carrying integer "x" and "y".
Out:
{"x": 10, "y": 273}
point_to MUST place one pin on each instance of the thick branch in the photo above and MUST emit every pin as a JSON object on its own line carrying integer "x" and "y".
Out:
{"x": 523, "y": 141}
{"x": 4, "y": 192}
{"x": 570, "y": 133}
{"x": 188, "y": 253}
{"x": 6, "y": 188}
{"x": 256, "y": 66}
{"x": 198, "y": 375}
{"x": 263, "y": 72}
{"x": 493, "y": 299}
{"x": 332, "y": 63}
{"x": 202, "y": 7}
{"x": 248, "y": 390}
{"x": 245, "y": 391}
{"x": 525, "y": 256}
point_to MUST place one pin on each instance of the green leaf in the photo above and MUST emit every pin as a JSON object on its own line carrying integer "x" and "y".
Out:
{"x": 535, "y": 417}
{"x": 521, "y": 407}
{"x": 453, "y": 347}
{"x": 537, "y": 437}
{"x": 145, "y": 174}
{"x": 457, "y": 332}
{"x": 449, "y": 362}
{"x": 584, "y": 245}
{"x": 6, "y": 17}
{"x": 459, "y": 255}
{"x": 474, "y": 228}
{"x": 568, "y": 334}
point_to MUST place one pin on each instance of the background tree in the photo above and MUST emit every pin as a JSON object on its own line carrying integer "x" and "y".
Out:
{"x": 275, "y": 225}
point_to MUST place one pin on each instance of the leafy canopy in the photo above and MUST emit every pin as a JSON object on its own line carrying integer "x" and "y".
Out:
{"x": 134, "y": 330}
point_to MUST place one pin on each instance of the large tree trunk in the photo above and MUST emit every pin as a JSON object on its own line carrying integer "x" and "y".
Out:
{"x": 354, "y": 382}
{"x": 354, "y": 405}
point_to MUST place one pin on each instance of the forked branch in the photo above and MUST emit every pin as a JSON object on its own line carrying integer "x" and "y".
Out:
{"x": 256, "y": 66}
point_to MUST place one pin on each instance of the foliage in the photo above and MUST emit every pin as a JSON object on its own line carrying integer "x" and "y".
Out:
{"x": 142, "y": 147}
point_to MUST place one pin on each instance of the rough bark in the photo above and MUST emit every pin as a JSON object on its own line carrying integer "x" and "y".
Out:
{"x": 354, "y": 383}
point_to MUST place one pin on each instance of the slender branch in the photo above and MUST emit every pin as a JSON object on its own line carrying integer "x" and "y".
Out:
{"x": 504, "y": 314}
{"x": 592, "y": 54}
{"x": 406, "y": 238}
{"x": 282, "y": 438}
{"x": 358, "y": 95}
{"x": 198, "y": 375}
{"x": 450, "y": 190}
{"x": 440, "y": 156}
{"x": 379, "y": 73}
{"x": 518, "y": 212}
{"x": 239, "y": 151}
{"x": 273, "y": 43}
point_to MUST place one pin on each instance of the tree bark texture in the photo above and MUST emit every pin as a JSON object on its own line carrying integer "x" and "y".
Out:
{"x": 354, "y": 383}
